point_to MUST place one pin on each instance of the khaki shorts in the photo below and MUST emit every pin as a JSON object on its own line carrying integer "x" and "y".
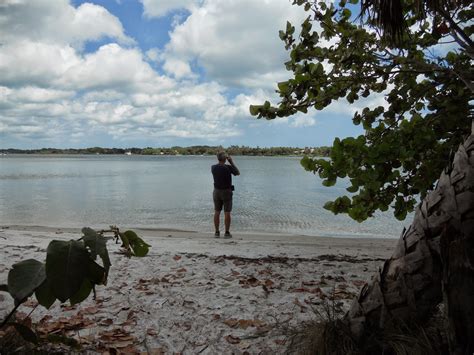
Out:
{"x": 222, "y": 198}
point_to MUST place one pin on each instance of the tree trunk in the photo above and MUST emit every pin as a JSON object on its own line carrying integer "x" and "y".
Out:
{"x": 412, "y": 283}
{"x": 457, "y": 252}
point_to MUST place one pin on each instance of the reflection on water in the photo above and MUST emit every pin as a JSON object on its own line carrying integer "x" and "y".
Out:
{"x": 273, "y": 194}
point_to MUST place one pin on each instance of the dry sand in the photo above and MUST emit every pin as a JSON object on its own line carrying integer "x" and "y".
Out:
{"x": 194, "y": 293}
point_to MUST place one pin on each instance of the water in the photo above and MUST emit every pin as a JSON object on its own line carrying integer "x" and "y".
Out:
{"x": 273, "y": 194}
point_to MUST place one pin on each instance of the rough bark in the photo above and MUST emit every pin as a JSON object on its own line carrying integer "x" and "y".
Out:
{"x": 457, "y": 252}
{"x": 410, "y": 284}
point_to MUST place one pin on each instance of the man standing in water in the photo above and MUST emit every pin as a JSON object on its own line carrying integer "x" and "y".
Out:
{"x": 223, "y": 188}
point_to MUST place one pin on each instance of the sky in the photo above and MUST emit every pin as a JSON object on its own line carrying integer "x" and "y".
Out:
{"x": 158, "y": 73}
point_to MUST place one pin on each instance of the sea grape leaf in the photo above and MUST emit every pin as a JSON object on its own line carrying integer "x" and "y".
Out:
{"x": 44, "y": 295}
{"x": 26, "y": 332}
{"x": 98, "y": 246}
{"x": 95, "y": 273}
{"x": 138, "y": 245}
{"x": 24, "y": 278}
{"x": 83, "y": 292}
{"x": 66, "y": 267}
{"x": 124, "y": 239}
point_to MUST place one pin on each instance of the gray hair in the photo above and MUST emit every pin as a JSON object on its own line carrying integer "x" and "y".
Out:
{"x": 221, "y": 156}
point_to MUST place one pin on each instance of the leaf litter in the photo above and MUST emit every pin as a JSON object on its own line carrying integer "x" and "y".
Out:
{"x": 186, "y": 302}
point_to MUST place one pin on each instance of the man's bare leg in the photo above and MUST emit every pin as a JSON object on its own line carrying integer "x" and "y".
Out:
{"x": 217, "y": 217}
{"x": 227, "y": 220}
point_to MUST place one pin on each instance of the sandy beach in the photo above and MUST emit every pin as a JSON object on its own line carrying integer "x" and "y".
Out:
{"x": 194, "y": 293}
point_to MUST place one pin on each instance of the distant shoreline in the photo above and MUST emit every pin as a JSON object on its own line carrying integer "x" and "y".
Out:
{"x": 193, "y": 150}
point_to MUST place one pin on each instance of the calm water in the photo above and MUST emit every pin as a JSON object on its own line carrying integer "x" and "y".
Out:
{"x": 273, "y": 194}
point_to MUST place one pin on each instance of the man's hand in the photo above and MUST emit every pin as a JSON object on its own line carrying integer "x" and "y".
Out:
{"x": 231, "y": 162}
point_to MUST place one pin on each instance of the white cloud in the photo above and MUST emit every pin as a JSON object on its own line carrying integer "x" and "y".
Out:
{"x": 302, "y": 121}
{"x": 39, "y": 95}
{"x": 58, "y": 22}
{"x": 235, "y": 41}
{"x": 51, "y": 88}
{"x": 25, "y": 62}
{"x": 111, "y": 66}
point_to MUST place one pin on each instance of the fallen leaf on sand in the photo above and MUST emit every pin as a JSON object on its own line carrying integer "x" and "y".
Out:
{"x": 269, "y": 283}
{"x": 89, "y": 310}
{"x": 106, "y": 322}
{"x": 245, "y": 323}
{"x": 151, "y": 332}
{"x": 122, "y": 344}
{"x": 359, "y": 283}
{"x": 232, "y": 322}
{"x": 232, "y": 339}
{"x": 176, "y": 257}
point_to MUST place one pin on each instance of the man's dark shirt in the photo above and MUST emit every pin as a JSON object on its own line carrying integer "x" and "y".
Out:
{"x": 222, "y": 174}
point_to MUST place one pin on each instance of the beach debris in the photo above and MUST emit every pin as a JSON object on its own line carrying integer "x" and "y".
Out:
{"x": 175, "y": 302}
{"x": 232, "y": 339}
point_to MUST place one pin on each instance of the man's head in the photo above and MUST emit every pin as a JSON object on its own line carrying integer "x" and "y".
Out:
{"x": 221, "y": 156}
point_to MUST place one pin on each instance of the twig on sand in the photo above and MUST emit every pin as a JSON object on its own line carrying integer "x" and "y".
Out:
{"x": 204, "y": 348}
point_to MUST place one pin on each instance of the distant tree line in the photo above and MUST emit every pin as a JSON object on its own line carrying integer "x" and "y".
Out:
{"x": 176, "y": 150}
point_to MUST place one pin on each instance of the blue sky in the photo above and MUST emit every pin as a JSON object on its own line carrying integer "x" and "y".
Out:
{"x": 122, "y": 73}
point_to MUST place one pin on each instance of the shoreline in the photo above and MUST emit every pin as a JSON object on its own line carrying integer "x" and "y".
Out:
{"x": 251, "y": 244}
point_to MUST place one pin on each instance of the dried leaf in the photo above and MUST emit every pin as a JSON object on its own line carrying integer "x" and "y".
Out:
{"x": 359, "y": 283}
{"x": 106, "y": 322}
{"x": 151, "y": 332}
{"x": 232, "y": 339}
{"x": 89, "y": 310}
{"x": 232, "y": 322}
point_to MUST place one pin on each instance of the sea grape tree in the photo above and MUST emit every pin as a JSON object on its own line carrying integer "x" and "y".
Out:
{"x": 417, "y": 89}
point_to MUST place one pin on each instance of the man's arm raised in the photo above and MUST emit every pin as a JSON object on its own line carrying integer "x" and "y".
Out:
{"x": 235, "y": 170}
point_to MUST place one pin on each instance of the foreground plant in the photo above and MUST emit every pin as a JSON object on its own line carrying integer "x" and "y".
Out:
{"x": 70, "y": 271}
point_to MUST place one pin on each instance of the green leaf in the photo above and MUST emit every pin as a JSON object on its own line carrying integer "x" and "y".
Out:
{"x": 66, "y": 267}
{"x": 139, "y": 247}
{"x": 83, "y": 292}
{"x": 125, "y": 242}
{"x": 95, "y": 273}
{"x": 254, "y": 109}
{"x": 352, "y": 188}
{"x": 44, "y": 295}
{"x": 282, "y": 86}
{"x": 329, "y": 182}
{"x": 97, "y": 245}
{"x": 26, "y": 332}
{"x": 24, "y": 278}
{"x": 329, "y": 206}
